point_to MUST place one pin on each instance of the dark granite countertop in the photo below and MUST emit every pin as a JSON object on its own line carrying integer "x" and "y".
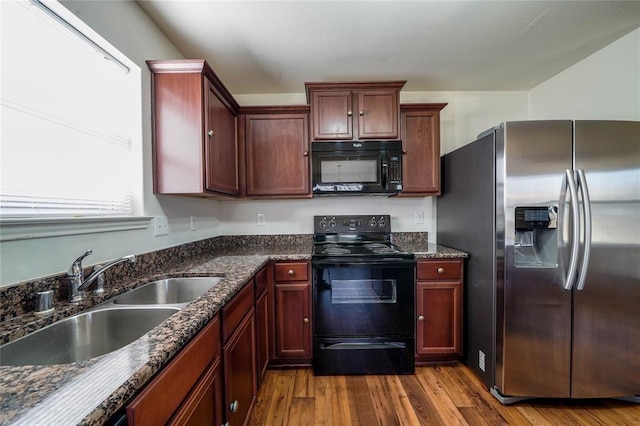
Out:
{"x": 91, "y": 392}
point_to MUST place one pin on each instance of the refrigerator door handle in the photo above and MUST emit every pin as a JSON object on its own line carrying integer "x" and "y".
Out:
{"x": 575, "y": 231}
{"x": 584, "y": 190}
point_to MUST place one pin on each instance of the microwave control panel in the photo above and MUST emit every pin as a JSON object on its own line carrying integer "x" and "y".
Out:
{"x": 395, "y": 169}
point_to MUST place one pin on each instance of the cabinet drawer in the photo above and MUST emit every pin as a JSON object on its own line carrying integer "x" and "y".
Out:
{"x": 439, "y": 269}
{"x": 155, "y": 405}
{"x": 291, "y": 271}
{"x": 235, "y": 310}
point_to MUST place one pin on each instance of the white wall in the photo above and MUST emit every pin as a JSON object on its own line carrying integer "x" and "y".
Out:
{"x": 603, "y": 86}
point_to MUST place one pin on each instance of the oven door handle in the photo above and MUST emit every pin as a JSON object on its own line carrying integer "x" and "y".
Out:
{"x": 409, "y": 263}
{"x": 363, "y": 345}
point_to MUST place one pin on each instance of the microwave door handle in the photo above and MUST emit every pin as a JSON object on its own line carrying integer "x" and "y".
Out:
{"x": 384, "y": 175}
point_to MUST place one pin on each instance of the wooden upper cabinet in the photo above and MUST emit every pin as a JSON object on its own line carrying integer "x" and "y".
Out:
{"x": 275, "y": 141}
{"x": 332, "y": 115}
{"x": 420, "y": 126}
{"x": 221, "y": 146}
{"x": 354, "y": 111}
{"x": 194, "y": 130}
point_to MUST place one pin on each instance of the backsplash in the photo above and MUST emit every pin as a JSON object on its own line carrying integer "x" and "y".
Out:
{"x": 19, "y": 299}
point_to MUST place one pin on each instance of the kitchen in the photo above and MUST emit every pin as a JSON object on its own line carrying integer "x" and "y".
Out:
{"x": 466, "y": 115}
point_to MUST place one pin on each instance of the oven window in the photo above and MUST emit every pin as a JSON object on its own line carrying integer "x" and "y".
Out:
{"x": 345, "y": 171}
{"x": 355, "y": 300}
{"x": 363, "y": 291}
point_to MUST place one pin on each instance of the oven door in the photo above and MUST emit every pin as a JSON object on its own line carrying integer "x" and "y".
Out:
{"x": 364, "y": 299}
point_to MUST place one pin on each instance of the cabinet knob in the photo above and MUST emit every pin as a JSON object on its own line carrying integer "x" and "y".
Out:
{"x": 291, "y": 272}
{"x": 305, "y": 320}
{"x": 421, "y": 318}
{"x": 440, "y": 270}
{"x": 349, "y": 113}
{"x": 361, "y": 113}
{"x": 233, "y": 407}
{"x": 210, "y": 133}
{"x": 404, "y": 151}
{"x": 306, "y": 153}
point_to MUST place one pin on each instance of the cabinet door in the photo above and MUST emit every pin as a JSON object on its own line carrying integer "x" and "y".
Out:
{"x": 154, "y": 405}
{"x": 293, "y": 320}
{"x": 204, "y": 405}
{"x": 421, "y": 149}
{"x": 332, "y": 115}
{"x": 262, "y": 336}
{"x": 240, "y": 371}
{"x": 439, "y": 318}
{"x": 378, "y": 114}
{"x": 221, "y": 170}
{"x": 277, "y": 155}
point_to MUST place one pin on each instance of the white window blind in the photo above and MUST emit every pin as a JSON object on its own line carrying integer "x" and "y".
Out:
{"x": 70, "y": 118}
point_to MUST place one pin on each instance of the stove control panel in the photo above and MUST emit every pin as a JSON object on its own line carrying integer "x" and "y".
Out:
{"x": 351, "y": 224}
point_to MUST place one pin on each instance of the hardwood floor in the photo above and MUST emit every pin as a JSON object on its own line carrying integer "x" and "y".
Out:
{"x": 435, "y": 395}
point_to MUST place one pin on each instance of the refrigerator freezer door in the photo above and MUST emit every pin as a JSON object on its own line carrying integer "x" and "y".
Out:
{"x": 606, "y": 335}
{"x": 533, "y": 324}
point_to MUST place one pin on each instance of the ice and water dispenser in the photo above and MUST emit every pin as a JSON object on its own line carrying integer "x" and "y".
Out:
{"x": 536, "y": 239}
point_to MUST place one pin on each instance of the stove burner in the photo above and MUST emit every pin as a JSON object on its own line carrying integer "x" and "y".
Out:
{"x": 380, "y": 248}
{"x": 335, "y": 250}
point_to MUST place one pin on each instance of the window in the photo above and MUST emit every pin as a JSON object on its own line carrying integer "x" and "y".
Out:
{"x": 71, "y": 118}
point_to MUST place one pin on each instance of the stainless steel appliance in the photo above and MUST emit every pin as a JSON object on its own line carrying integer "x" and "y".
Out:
{"x": 549, "y": 212}
{"x": 367, "y": 168}
{"x": 363, "y": 298}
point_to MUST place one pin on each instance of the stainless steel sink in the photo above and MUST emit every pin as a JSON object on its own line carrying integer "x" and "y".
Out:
{"x": 168, "y": 291}
{"x": 84, "y": 336}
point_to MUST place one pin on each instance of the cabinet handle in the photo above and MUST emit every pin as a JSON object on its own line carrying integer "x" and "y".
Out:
{"x": 291, "y": 272}
{"x": 233, "y": 407}
{"x": 349, "y": 113}
{"x": 210, "y": 133}
{"x": 361, "y": 113}
{"x": 440, "y": 270}
{"x": 404, "y": 151}
{"x": 306, "y": 153}
{"x": 305, "y": 320}
{"x": 421, "y": 318}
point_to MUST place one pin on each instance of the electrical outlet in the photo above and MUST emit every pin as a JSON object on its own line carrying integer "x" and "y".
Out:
{"x": 261, "y": 220}
{"x": 481, "y": 364}
{"x": 160, "y": 225}
{"x": 194, "y": 223}
{"x": 419, "y": 216}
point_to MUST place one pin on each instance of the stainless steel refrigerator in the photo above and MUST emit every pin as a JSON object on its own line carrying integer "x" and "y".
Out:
{"x": 549, "y": 212}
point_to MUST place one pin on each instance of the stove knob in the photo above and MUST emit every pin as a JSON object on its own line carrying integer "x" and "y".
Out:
{"x": 372, "y": 222}
{"x": 323, "y": 222}
{"x": 381, "y": 223}
{"x": 332, "y": 223}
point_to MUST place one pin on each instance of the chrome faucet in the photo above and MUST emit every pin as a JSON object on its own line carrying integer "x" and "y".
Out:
{"x": 75, "y": 275}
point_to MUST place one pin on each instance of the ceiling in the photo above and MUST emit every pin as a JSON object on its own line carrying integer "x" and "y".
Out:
{"x": 260, "y": 47}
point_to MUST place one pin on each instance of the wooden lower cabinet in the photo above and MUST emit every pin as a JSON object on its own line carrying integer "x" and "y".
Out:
{"x": 262, "y": 313}
{"x": 187, "y": 389}
{"x": 204, "y": 405}
{"x": 439, "y": 310}
{"x": 292, "y": 314}
{"x": 239, "y": 362}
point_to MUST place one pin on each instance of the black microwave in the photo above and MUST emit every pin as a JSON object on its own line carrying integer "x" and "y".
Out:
{"x": 357, "y": 167}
